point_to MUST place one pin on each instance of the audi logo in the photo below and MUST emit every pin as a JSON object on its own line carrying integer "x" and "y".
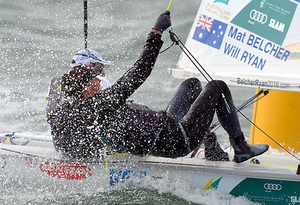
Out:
{"x": 258, "y": 16}
{"x": 272, "y": 187}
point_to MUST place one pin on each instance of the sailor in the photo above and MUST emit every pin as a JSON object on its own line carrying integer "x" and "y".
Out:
{"x": 87, "y": 113}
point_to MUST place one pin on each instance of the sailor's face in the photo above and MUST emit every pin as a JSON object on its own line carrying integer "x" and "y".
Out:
{"x": 91, "y": 65}
{"x": 102, "y": 72}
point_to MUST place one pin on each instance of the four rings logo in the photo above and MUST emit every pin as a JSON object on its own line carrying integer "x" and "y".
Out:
{"x": 258, "y": 16}
{"x": 272, "y": 187}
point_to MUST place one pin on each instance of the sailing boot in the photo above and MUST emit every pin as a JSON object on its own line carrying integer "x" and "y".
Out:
{"x": 244, "y": 151}
{"x": 213, "y": 151}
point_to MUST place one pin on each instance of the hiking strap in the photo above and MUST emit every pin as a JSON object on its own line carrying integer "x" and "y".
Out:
{"x": 187, "y": 143}
{"x": 154, "y": 142}
{"x": 186, "y": 140}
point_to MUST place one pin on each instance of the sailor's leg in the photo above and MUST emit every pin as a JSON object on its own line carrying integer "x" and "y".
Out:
{"x": 180, "y": 104}
{"x": 171, "y": 142}
{"x": 183, "y": 98}
{"x": 228, "y": 118}
{"x": 200, "y": 115}
{"x": 226, "y": 111}
{"x": 230, "y": 122}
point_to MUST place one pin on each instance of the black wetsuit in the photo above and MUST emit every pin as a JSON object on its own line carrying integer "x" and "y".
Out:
{"x": 77, "y": 129}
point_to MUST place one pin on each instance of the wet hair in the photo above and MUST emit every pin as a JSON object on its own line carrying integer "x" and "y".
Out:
{"x": 77, "y": 78}
{"x": 72, "y": 83}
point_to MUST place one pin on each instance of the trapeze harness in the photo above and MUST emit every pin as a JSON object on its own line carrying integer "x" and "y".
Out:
{"x": 186, "y": 140}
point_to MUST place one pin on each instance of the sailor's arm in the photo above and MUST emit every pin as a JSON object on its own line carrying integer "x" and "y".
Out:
{"x": 142, "y": 68}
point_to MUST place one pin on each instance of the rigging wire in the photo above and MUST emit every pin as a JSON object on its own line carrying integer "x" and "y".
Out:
{"x": 246, "y": 104}
{"x": 208, "y": 78}
{"x": 170, "y": 28}
{"x": 269, "y": 136}
{"x": 85, "y": 21}
{"x": 204, "y": 73}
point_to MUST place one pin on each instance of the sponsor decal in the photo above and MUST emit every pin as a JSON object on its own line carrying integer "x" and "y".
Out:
{"x": 262, "y": 84}
{"x": 277, "y": 25}
{"x": 2, "y": 162}
{"x": 3, "y": 140}
{"x": 31, "y": 162}
{"x": 222, "y": 1}
{"x": 212, "y": 184}
{"x": 268, "y": 191}
{"x": 210, "y": 31}
{"x": 262, "y": 3}
{"x": 65, "y": 170}
{"x": 270, "y": 19}
{"x": 258, "y": 16}
{"x": 272, "y": 187}
{"x": 220, "y": 11}
{"x": 265, "y": 49}
{"x": 120, "y": 176}
{"x": 155, "y": 177}
{"x": 295, "y": 199}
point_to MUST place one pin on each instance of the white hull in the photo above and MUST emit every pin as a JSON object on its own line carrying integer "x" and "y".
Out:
{"x": 37, "y": 164}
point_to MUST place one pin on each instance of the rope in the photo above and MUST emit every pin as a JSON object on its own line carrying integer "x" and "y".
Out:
{"x": 175, "y": 39}
{"x": 203, "y": 72}
{"x": 246, "y": 104}
{"x": 169, "y": 5}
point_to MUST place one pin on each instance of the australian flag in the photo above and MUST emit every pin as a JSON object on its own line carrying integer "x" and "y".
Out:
{"x": 210, "y": 31}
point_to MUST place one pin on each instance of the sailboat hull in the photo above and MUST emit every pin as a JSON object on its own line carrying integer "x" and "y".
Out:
{"x": 38, "y": 167}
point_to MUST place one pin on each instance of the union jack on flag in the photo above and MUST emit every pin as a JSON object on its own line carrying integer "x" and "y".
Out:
{"x": 210, "y": 31}
{"x": 205, "y": 22}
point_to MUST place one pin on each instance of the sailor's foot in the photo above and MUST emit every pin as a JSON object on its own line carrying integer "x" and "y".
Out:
{"x": 213, "y": 151}
{"x": 244, "y": 151}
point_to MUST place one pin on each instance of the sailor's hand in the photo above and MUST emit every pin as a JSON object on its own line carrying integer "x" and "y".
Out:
{"x": 163, "y": 21}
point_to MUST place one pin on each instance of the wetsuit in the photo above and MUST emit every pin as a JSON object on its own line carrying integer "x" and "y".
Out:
{"x": 80, "y": 130}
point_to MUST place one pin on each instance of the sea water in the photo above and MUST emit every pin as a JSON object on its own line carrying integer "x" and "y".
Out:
{"x": 38, "y": 41}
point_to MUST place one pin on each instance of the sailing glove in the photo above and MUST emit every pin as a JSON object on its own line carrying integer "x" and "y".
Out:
{"x": 163, "y": 21}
